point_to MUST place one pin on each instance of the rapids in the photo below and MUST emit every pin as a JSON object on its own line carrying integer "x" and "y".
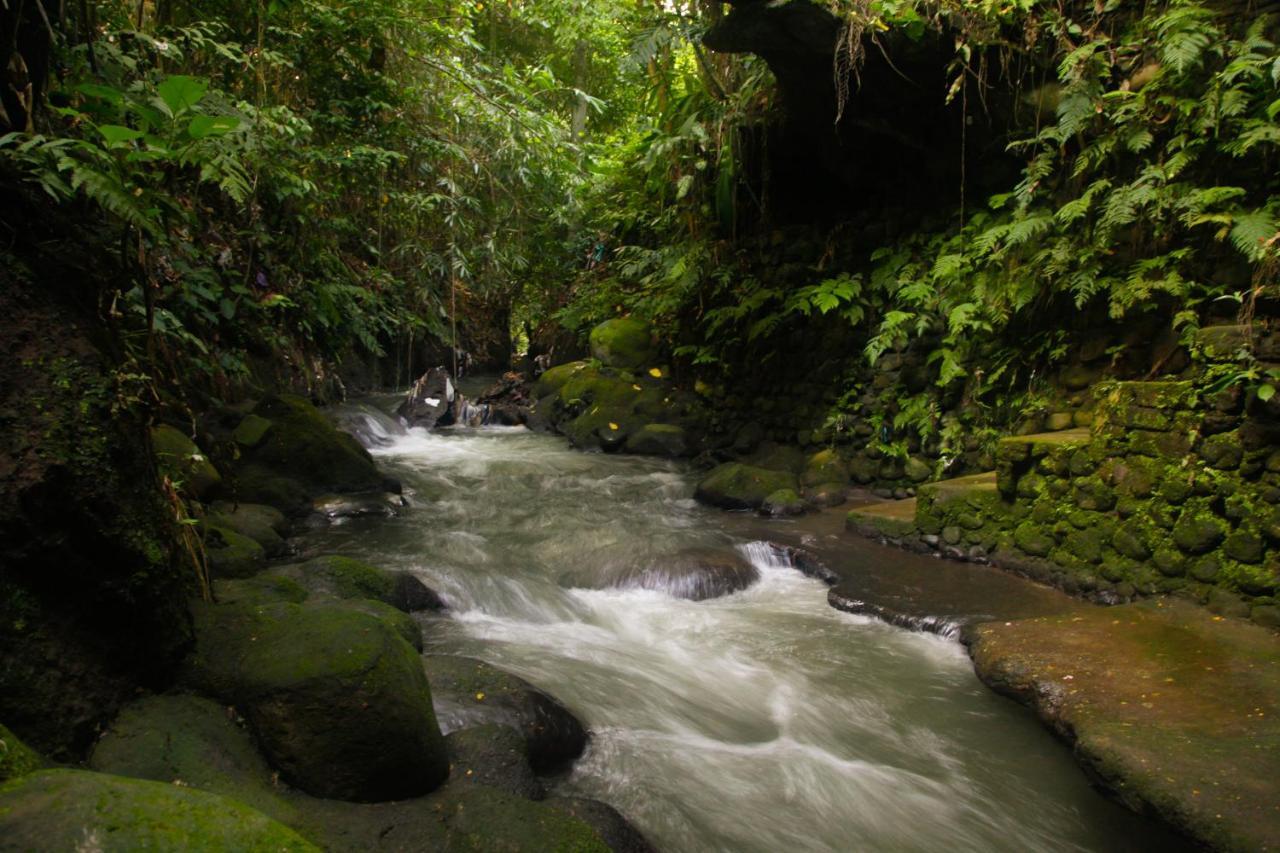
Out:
{"x": 763, "y": 720}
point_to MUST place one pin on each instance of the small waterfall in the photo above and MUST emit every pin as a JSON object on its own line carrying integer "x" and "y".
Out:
{"x": 371, "y": 426}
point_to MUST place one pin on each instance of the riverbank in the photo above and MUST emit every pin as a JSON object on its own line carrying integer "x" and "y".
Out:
{"x": 1170, "y": 709}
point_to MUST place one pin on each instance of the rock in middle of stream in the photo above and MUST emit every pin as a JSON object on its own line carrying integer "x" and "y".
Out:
{"x": 694, "y": 573}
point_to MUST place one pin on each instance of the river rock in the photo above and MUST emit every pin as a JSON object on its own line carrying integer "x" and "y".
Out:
{"x": 429, "y": 400}
{"x": 734, "y": 485}
{"x": 783, "y": 503}
{"x": 667, "y": 440}
{"x": 264, "y": 524}
{"x": 826, "y": 494}
{"x": 230, "y": 554}
{"x": 300, "y": 456}
{"x": 825, "y": 466}
{"x": 336, "y": 697}
{"x": 470, "y": 692}
{"x": 608, "y": 822}
{"x": 182, "y": 461}
{"x": 624, "y": 342}
{"x": 695, "y": 574}
{"x": 805, "y": 562}
{"x": 496, "y": 756}
{"x": 347, "y": 578}
{"x": 80, "y": 810}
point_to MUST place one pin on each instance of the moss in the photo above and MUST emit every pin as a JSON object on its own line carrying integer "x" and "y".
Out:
{"x": 263, "y": 524}
{"x": 1244, "y": 546}
{"x": 16, "y": 758}
{"x": 305, "y": 447}
{"x": 624, "y": 342}
{"x": 1085, "y": 545}
{"x": 251, "y": 430}
{"x": 825, "y": 466}
{"x": 1032, "y": 539}
{"x": 666, "y": 440}
{"x": 336, "y": 698}
{"x": 182, "y": 461}
{"x": 783, "y": 503}
{"x": 552, "y": 380}
{"x": 77, "y": 809}
{"x": 260, "y": 484}
{"x": 778, "y": 457}
{"x": 1132, "y": 539}
{"x": 1222, "y": 452}
{"x": 1197, "y": 530}
{"x": 342, "y": 577}
{"x": 262, "y": 589}
{"x": 1092, "y": 494}
{"x": 737, "y": 486}
{"x": 232, "y": 555}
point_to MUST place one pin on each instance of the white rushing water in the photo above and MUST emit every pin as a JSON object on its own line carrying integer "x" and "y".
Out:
{"x": 758, "y": 721}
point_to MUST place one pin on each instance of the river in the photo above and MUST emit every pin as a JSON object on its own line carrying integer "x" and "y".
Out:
{"x": 760, "y": 721}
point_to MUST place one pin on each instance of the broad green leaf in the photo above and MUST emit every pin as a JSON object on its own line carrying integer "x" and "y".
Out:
{"x": 180, "y": 93}
{"x": 204, "y": 126}
{"x": 115, "y": 134}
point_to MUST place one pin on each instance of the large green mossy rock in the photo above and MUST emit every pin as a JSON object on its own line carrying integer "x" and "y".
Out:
{"x": 349, "y": 578}
{"x": 301, "y": 455}
{"x": 778, "y": 457}
{"x": 336, "y": 697}
{"x": 59, "y": 810}
{"x": 183, "y": 462}
{"x": 624, "y": 342}
{"x": 193, "y": 740}
{"x": 264, "y": 524}
{"x": 16, "y": 758}
{"x": 232, "y": 555}
{"x": 737, "y": 486}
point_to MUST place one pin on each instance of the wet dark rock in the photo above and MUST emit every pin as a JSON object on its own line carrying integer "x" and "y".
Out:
{"x": 608, "y": 822}
{"x": 264, "y": 524}
{"x": 695, "y": 574}
{"x": 183, "y": 462}
{"x": 493, "y": 755}
{"x": 230, "y": 554}
{"x": 469, "y": 692}
{"x": 429, "y": 400}
{"x": 348, "y": 578}
{"x": 847, "y": 602}
{"x": 334, "y": 508}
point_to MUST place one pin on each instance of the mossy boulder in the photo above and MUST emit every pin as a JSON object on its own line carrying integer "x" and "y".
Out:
{"x": 734, "y": 485}
{"x": 251, "y": 430}
{"x": 81, "y": 810}
{"x": 826, "y": 494}
{"x": 624, "y": 342}
{"x": 192, "y": 740}
{"x": 825, "y": 466}
{"x": 336, "y": 697}
{"x": 470, "y": 692}
{"x": 608, "y": 822}
{"x": 1198, "y": 531}
{"x": 302, "y": 453}
{"x": 348, "y": 578}
{"x": 1032, "y": 539}
{"x": 783, "y": 504}
{"x": 182, "y": 461}
{"x": 232, "y": 555}
{"x": 667, "y": 440}
{"x": 16, "y": 758}
{"x": 264, "y": 524}
{"x": 1132, "y": 540}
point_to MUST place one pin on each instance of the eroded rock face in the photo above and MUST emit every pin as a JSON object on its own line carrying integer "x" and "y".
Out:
{"x": 335, "y": 696}
{"x": 470, "y": 692}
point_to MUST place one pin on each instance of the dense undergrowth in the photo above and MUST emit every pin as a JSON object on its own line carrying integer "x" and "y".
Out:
{"x": 318, "y": 179}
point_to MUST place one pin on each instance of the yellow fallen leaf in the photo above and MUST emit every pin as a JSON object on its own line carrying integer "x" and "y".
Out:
{"x": 612, "y": 425}
{"x": 479, "y": 697}
{"x": 637, "y": 387}
{"x": 655, "y": 372}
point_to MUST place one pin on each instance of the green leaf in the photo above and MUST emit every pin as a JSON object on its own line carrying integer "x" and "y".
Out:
{"x": 180, "y": 93}
{"x": 1266, "y": 392}
{"x": 204, "y": 126}
{"x": 116, "y": 135}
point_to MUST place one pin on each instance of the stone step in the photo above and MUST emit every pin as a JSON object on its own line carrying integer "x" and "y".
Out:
{"x": 887, "y": 518}
{"x": 1063, "y": 437}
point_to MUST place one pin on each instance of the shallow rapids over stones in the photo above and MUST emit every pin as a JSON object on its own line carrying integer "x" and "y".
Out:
{"x": 757, "y": 720}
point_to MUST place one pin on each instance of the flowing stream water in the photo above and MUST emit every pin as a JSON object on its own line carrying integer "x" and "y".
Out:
{"x": 759, "y": 721}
